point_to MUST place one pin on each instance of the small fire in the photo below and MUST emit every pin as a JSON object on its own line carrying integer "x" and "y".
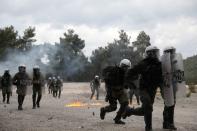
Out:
{"x": 76, "y": 104}
{"x": 80, "y": 104}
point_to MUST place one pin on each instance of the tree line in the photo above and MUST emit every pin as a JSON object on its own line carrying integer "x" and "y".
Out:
{"x": 66, "y": 57}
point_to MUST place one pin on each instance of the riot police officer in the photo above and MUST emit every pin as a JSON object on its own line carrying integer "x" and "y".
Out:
{"x": 168, "y": 113}
{"x": 6, "y": 83}
{"x": 95, "y": 85}
{"x": 38, "y": 84}
{"x": 151, "y": 77}
{"x": 114, "y": 80}
{"x": 21, "y": 80}
{"x": 54, "y": 87}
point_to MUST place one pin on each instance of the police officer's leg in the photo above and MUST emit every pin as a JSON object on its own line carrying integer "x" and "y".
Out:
{"x": 19, "y": 102}
{"x": 93, "y": 91}
{"x": 97, "y": 93}
{"x": 4, "y": 94}
{"x": 23, "y": 97}
{"x": 145, "y": 110}
{"x": 59, "y": 93}
{"x": 137, "y": 111}
{"x": 39, "y": 98}
{"x": 123, "y": 100}
{"x": 111, "y": 107}
{"x": 172, "y": 115}
{"x": 53, "y": 93}
{"x": 34, "y": 98}
{"x": 148, "y": 109}
{"x": 8, "y": 97}
{"x": 121, "y": 110}
{"x": 171, "y": 118}
{"x": 166, "y": 117}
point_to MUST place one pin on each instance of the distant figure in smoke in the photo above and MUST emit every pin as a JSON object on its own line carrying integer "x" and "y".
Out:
{"x": 38, "y": 84}
{"x": 59, "y": 85}
{"x": 6, "y": 83}
{"x": 95, "y": 85}
{"x": 54, "y": 87}
{"x": 49, "y": 85}
{"x": 21, "y": 80}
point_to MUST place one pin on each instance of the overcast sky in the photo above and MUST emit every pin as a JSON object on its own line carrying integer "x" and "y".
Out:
{"x": 167, "y": 22}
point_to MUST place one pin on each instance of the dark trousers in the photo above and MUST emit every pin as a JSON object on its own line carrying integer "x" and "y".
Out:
{"x": 113, "y": 106}
{"x": 38, "y": 99}
{"x": 20, "y": 100}
{"x": 8, "y": 96}
{"x": 59, "y": 93}
{"x": 37, "y": 91}
{"x": 168, "y": 115}
{"x": 146, "y": 109}
{"x": 54, "y": 93}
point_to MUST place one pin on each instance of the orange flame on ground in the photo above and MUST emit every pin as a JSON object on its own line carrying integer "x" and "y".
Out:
{"x": 76, "y": 104}
{"x": 80, "y": 104}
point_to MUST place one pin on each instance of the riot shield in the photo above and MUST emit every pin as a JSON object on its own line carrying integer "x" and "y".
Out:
{"x": 167, "y": 80}
{"x": 178, "y": 75}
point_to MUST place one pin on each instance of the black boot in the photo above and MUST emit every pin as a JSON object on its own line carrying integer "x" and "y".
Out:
{"x": 102, "y": 113}
{"x": 122, "y": 109}
{"x": 119, "y": 122}
{"x": 171, "y": 118}
{"x": 168, "y": 117}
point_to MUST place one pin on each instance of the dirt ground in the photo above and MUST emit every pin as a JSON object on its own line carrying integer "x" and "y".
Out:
{"x": 54, "y": 115}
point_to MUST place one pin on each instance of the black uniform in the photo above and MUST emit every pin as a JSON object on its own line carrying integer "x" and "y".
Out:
{"x": 54, "y": 87}
{"x": 38, "y": 83}
{"x": 151, "y": 78}
{"x": 6, "y": 83}
{"x": 115, "y": 92}
{"x": 21, "y": 80}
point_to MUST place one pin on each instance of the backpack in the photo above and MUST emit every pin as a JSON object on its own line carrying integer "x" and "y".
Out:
{"x": 113, "y": 76}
